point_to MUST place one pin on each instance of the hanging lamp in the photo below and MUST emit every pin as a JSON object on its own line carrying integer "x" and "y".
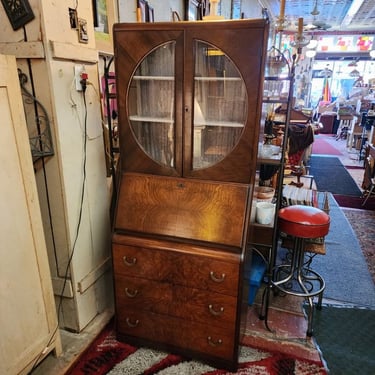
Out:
{"x": 315, "y": 11}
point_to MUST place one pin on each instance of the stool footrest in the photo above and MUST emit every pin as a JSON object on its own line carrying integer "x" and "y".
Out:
{"x": 303, "y": 278}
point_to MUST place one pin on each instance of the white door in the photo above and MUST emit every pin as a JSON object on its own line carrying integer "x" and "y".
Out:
{"x": 28, "y": 319}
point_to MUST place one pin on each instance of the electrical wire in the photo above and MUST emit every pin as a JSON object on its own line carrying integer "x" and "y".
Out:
{"x": 52, "y": 338}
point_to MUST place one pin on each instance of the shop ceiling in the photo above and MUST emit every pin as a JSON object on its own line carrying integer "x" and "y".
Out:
{"x": 327, "y": 16}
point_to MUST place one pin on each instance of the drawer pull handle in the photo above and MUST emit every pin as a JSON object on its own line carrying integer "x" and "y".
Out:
{"x": 129, "y": 261}
{"x": 214, "y": 343}
{"x": 131, "y": 293}
{"x": 217, "y": 279}
{"x": 132, "y": 324}
{"x": 215, "y": 312}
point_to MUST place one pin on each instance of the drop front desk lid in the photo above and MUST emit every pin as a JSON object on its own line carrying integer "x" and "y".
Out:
{"x": 189, "y": 209}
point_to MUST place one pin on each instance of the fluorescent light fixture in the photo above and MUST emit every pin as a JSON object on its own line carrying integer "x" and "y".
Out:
{"x": 356, "y": 4}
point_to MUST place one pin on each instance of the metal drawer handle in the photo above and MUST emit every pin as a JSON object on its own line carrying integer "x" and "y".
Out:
{"x": 131, "y": 324}
{"x": 131, "y": 293}
{"x": 217, "y": 279}
{"x": 129, "y": 261}
{"x": 215, "y": 312}
{"x": 214, "y": 343}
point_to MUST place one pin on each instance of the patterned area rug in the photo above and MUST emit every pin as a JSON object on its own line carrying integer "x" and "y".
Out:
{"x": 108, "y": 356}
{"x": 362, "y": 222}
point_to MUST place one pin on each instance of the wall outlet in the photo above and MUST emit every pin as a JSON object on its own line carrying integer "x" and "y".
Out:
{"x": 78, "y": 70}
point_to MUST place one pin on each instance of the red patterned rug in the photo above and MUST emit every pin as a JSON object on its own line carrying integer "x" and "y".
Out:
{"x": 106, "y": 355}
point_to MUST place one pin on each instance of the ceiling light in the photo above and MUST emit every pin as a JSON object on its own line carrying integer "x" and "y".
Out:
{"x": 315, "y": 11}
{"x": 372, "y": 54}
{"x": 313, "y": 44}
{"x": 310, "y": 53}
{"x": 354, "y": 73}
{"x": 326, "y": 72}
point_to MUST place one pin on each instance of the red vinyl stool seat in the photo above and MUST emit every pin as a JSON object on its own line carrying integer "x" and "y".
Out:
{"x": 301, "y": 222}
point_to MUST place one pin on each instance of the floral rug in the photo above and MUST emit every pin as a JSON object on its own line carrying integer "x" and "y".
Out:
{"x": 363, "y": 224}
{"x": 108, "y": 356}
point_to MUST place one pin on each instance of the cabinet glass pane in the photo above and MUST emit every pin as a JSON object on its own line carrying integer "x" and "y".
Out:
{"x": 151, "y": 104}
{"x": 220, "y": 106}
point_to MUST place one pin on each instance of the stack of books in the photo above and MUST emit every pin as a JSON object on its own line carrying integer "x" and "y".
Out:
{"x": 294, "y": 195}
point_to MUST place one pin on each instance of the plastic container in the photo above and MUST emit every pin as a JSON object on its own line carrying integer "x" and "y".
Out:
{"x": 255, "y": 276}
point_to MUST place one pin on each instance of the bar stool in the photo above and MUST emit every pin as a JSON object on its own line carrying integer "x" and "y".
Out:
{"x": 295, "y": 278}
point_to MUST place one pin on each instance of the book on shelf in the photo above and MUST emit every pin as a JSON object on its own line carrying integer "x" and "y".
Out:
{"x": 293, "y": 195}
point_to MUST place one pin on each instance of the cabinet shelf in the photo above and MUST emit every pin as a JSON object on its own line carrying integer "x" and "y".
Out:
{"x": 218, "y": 79}
{"x": 171, "y": 78}
{"x": 228, "y": 124}
{"x": 153, "y": 78}
{"x": 161, "y": 120}
{"x": 168, "y": 120}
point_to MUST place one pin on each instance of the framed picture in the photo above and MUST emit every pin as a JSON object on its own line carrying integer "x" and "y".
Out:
{"x": 83, "y": 36}
{"x": 104, "y": 18}
{"x": 100, "y": 15}
{"x": 150, "y": 13}
{"x": 19, "y": 12}
{"x": 73, "y": 18}
{"x": 143, "y": 10}
{"x": 195, "y": 9}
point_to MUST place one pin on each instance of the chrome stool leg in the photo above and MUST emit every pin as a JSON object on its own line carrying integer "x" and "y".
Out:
{"x": 300, "y": 281}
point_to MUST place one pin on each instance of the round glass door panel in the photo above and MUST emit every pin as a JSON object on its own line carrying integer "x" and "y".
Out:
{"x": 220, "y": 106}
{"x": 151, "y": 104}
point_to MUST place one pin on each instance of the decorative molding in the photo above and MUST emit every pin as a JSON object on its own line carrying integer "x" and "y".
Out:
{"x": 19, "y": 12}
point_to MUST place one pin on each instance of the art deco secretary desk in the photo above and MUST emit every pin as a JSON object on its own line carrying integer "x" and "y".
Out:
{"x": 189, "y": 101}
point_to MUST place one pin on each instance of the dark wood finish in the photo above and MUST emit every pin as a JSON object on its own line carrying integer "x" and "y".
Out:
{"x": 298, "y": 117}
{"x": 180, "y": 233}
{"x": 193, "y": 288}
{"x": 261, "y": 234}
{"x": 130, "y": 49}
{"x": 134, "y": 41}
{"x": 182, "y": 208}
{"x": 327, "y": 121}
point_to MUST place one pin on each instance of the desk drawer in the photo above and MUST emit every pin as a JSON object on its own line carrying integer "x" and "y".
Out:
{"x": 197, "y": 271}
{"x": 184, "y": 334}
{"x": 174, "y": 300}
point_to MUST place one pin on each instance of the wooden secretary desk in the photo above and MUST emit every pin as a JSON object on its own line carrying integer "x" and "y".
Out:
{"x": 189, "y": 108}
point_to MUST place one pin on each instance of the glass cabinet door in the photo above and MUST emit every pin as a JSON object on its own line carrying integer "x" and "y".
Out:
{"x": 220, "y": 106}
{"x": 151, "y": 104}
